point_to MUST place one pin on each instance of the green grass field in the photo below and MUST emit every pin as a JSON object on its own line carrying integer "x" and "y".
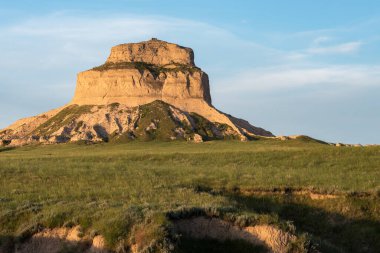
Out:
{"x": 116, "y": 189}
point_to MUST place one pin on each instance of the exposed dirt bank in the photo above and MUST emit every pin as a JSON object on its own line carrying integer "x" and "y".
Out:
{"x": 61, "y": 240}
{"x": 274, "y": 239}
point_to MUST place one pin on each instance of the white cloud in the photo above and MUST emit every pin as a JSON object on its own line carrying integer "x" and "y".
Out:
{"x": 280, "y": 77}
{"x": 319, "y": 40}
{"x": 344, "y": 48}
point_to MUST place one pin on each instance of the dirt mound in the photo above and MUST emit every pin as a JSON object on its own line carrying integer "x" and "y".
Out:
{"x": 62, "y": 240}
{"x": 289, "y": 192}
{"x": 276, "y": 240}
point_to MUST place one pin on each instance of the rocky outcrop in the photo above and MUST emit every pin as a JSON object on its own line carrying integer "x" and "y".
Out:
{"x": 133, "y": 87}
{"x": 110, "y": 100}
{"x": 154, "y": 51}
{"x": 117, "y": 123}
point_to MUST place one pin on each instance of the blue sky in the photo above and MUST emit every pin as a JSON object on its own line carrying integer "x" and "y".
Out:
{"x": 292, "y": 67}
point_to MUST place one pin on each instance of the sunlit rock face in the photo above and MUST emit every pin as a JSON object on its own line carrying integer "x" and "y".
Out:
{"x": 139, "y": 73}
{"x": 154, "y": 51}
{"x": 132, "y": 86}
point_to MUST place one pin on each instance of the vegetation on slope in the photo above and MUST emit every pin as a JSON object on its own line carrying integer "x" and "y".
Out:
{"x": 154, "y": 121}
{"x": 130, "y": 192}
{"x": 158, "y": 115}
{"x": 61, "y": 119}
{"x": 157, "y": 122}
{"x": 143, "y": 66}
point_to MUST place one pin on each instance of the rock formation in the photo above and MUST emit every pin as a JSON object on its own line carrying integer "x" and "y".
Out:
{"x": 154, "y": 52}
{"x": 146, "y": 90}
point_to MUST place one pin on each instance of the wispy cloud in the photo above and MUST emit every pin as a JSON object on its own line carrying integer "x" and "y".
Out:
{"x": 343, "y": 48}
{"x": 321, "y": 39}
{"x": 287, "y": 77}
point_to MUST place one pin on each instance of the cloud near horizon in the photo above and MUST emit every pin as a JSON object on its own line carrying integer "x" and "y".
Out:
{"x": 344, "y": 77}
{"x": 344, "y": 48}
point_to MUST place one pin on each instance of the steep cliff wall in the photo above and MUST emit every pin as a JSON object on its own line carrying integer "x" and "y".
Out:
{"x": 153, "y": 51}
{"x": 136, "y": 87}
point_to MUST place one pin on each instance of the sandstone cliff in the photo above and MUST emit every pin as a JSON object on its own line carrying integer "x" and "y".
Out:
{"x": 111, "y": 102}
{"x": 154, "y": 51}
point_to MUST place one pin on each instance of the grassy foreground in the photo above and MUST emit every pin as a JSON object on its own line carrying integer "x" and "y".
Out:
{"x": 120, "y": 190}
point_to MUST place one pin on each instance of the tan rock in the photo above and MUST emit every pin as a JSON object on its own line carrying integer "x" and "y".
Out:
{"x": 132, "y": 87}
{"x": 153, "y": 51}
{"x": 98, "y": 245}
{"x": 197, "y": 138}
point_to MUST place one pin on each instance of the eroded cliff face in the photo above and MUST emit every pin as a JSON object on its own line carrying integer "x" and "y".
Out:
{"x": 154, "y": 51}
{"x": 139, "y": 73}
{"x": 134, "y": 76}
{"x": 132, "y": 87}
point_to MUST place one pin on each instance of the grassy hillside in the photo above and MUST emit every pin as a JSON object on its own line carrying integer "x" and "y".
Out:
{"x": 118, "y": 190}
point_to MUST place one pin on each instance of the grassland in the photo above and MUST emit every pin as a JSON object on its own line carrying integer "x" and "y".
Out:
{"x": 119, "y": 189}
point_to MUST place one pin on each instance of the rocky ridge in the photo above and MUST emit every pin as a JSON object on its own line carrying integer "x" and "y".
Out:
{"x": 148, "y": 90}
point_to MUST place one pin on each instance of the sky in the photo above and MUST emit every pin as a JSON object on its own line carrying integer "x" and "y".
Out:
{"x": 291, "y": 67}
